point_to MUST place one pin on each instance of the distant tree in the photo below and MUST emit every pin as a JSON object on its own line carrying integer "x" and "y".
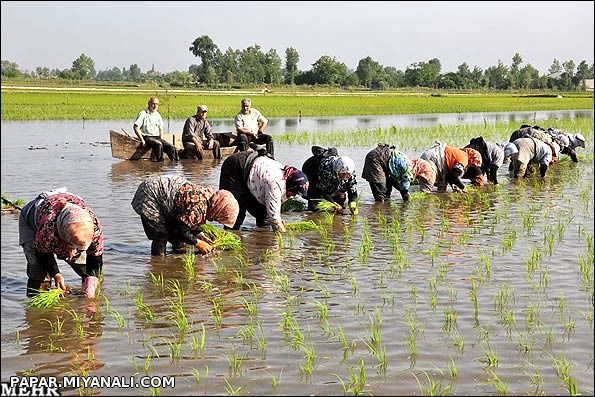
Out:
{"x": 230, "y": 65}
{"x": 207, "y": 50}
{"x": 351, "y": 80}
{"x": 497, "y": 76}
{"x": 464, "y": 76}
{"x": 528, "y": 77}
{"x": 177, "y": 78}
{"x": 10, "y": 69}
{"x": 42, "y": 72}
{"x": 83, "y": 68}
{"x": 517, "y": 60}
{"x": 555, "y": 68}
{"x": 368, "y": 71}
{"x": 211, "y": 77}
{"x": 582, "y": 73}
{"x": 394, "y": 77}
{"x": 568, "y": 75}
{"x": 450, "y": 80}
{"x": 251, "y": 65}
{"x": 291, "y": 61}
{"x": 477, "y": 77}
{"x": 135, "y": 72}
{"x": 272, "y": 66}
{"x": 328, "y": 70}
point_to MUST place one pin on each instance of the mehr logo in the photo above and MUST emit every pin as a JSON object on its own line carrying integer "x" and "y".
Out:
{"x": 31, "y": 386}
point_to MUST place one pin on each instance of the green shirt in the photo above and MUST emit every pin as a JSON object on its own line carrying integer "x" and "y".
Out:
{"x": 149, "y": 123}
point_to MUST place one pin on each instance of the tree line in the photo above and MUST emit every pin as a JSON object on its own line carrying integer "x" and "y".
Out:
{"x": 237, "y": 68}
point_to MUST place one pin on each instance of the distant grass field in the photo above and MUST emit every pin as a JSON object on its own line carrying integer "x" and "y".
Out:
{"x": 123, "y": 103}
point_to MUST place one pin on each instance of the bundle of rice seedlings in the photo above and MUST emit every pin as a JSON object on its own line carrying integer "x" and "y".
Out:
{"x": 46, "y": 298}
{"x": 300, "y": 226}
{"x": 222, "y": 239}
{"x": 325, "y": 205}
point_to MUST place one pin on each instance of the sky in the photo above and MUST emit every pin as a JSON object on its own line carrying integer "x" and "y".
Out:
{"x": 53, "y": 34}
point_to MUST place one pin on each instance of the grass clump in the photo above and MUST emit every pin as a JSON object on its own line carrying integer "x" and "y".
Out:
{"x": 327, "y": 206}
{"x": 46, "y": 298}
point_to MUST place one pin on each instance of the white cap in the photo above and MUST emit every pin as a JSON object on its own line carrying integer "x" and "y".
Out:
{"x": 510, "y": 149}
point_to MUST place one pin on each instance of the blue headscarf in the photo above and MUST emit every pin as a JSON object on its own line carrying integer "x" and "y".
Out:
{"x": 400, "y": 170}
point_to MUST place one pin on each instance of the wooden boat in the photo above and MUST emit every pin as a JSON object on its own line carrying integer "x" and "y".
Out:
{"x": 126, "y": 147}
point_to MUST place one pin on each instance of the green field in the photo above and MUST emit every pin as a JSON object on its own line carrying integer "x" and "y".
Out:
{"x": 122, "y": 103}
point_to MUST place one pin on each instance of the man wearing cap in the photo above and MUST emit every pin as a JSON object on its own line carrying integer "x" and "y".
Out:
{"x": 198, "y": 135}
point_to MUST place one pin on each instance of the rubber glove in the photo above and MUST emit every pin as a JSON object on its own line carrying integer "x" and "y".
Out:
{"x": 353, "y": 208}
{"x": 203, "y": 247}
{"x": 91, "y": 284}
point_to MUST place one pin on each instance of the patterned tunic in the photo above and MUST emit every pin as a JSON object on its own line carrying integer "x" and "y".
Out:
{"x": 46, "y": 235}
{"x": 267, "y": 185}
{"x": 329, "y": 182}
{"x": 172, "y": 205}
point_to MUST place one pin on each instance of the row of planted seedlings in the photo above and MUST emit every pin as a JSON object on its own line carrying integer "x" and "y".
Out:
{"x": 417, "y": 139}
{"x": 355, "y": 305}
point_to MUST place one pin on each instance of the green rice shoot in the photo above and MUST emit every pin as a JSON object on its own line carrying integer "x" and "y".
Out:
{"x": 301, "y": 226}
{"x": 46, "y": 298}
{"x": 222, "y": 239}
{"x": 325, "y": 205}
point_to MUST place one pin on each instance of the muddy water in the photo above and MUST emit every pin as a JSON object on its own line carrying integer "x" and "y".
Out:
{"x": 273, "y": 317}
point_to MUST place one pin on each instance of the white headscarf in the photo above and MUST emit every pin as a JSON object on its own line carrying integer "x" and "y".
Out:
{"x": 344, "y": 164}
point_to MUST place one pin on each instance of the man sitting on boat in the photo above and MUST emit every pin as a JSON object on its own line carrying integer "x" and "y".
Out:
{"x": 149, "y": 129}
{"x": 198, "y": 136}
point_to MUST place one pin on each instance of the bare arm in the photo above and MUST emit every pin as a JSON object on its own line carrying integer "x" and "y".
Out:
{"x": 262, "y": 126}
{"x": 139, "y": 134}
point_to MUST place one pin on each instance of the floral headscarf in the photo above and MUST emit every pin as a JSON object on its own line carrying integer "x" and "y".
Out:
{"x": 223, "y": 208}
{"x": 400, "y": 169}
{"x": 71, "y": 213}
{"x": 474, "y": 157}
{"x": 295, "y": 181}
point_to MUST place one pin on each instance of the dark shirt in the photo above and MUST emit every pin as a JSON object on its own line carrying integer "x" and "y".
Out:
{"x": 193, "y": 127}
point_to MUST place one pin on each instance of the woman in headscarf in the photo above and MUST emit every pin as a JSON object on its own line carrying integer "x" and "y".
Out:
{"x": 473, "y": 170}
{"x": 385, "y": 168}
{"x": 62, "y": 224}
{"x": 528, "y": 151}
{"x": 451, "y": 164}
{"x": 173, "y": 209}
{"x": 261, "y": 185}
{"x": 492, "y": 157}
{"x": 424, "y": 172}
{"x": 336, "y": 183}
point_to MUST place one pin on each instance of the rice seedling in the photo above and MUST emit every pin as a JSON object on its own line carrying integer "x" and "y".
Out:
{"x": 537, "y": 380}
{"x": 198, "y": 376}
{"x": 233, "y": 392}
{"x": 234, "y": 362}
{"x": 198, "y": 342}
{"x": 452, "y": 369}
{"x": 147, "y": 366}
{"x": 276, "y": 379}
{"x": 356, "y": 385}
{"x": 508, "y": 239}
{"x": 526, "y": 343}
{"x": 175, "y": 349}
{"x": 301, "y": 226}
{"x": 327, "y": 206}
{"x": 157, "y": 280}
{"x": 56, "y": 328}
{"x": 246, "y": 332}
{"x": 261, "y": 339}
{"x": 119, "y": 318}
{"x": 458, "y": 341}
{"x": 413, "y": 293}
{"x": 490, "y": 358}
{"x": 434, "y": 388}
{"x": 508, "y": 320}
{"x": 307, "y": 367}
{"x": 46, "y": 298}
{"x": 568, "y": 329}
{"x": 222, "y": 239}
{"x": 188, "y": 262}
{"x": 497, "y": 383}
{"x": 217, "y": 312}
{"x": 177, "y": 314}
{"x": 450, "y": 320}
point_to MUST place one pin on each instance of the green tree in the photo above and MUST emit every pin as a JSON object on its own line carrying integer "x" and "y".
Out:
{"x": 272, "y": 66}
{"x": 83, "y": 68}
{"x": 582, "y": 73}
{"x": 555, "y": 68}
{"x": 497, "y": 76}
{"x": 464, "y": 76}
{"x": 252, "y": 61}
{"x": 10, "y": 69}
{"x": 291, "y": 61}
{"x": 328, "y": 70}
{"x": 135, "y": 72}
{"x": 369, "y": 71}
{"x": 568, "y": 75}
{"x": 42, "y": 72}
{"x": 515, "y": 67}
{"x": 207, "y": 50}
{"x": 528, "y": 77}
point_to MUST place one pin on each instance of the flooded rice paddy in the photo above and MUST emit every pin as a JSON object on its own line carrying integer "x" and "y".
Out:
{"x": 479, "y": 294}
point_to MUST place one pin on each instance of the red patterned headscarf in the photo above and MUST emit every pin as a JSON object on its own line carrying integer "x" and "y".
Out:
{"x": 474, "y": 157}
{"x": 223, "y": 208}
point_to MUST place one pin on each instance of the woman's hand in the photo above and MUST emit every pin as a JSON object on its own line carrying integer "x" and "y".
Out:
{"x": 203, "y": 247}
{"x": 59, "y": 280}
